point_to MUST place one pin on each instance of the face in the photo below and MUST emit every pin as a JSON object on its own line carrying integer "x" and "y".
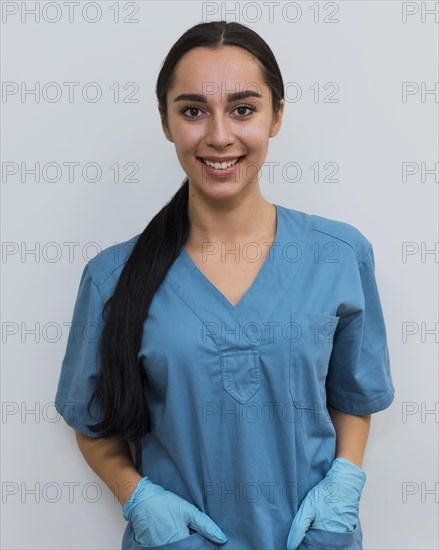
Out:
{"x": 220, "y": 126}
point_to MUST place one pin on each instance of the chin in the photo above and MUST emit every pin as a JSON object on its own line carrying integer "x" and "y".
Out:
{"x": 218, "y": 190}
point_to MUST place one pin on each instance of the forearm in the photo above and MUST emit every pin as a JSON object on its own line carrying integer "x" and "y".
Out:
{"x": 351, "y": 435}
{"x": 111, "y": 460}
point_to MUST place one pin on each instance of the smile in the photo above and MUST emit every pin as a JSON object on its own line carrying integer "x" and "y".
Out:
{"x": 221, "y": 165}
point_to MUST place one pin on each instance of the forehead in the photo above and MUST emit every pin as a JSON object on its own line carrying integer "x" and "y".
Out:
{"x": 218, "y": 71}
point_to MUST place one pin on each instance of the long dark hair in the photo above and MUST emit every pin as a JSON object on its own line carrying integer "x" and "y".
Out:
{"x": 120, "y": 382}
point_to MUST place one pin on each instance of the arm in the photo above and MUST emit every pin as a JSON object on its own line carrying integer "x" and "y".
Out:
{"x": 154, "y": 521}
{"x": 351, "y": 435}
{"x": 111, "y": 460}
{"x": 344, "y": 480}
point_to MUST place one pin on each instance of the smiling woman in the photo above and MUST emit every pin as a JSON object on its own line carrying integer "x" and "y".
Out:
{"x": 241, "y": 344}
{"x": 218, "y": 126}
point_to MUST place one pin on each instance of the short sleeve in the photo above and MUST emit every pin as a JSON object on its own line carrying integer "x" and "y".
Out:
{"x": 81, "y": 360}
{"x": 359, "y": 379}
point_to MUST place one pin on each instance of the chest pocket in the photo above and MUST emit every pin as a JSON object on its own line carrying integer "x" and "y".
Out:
{"x": 241, "y": 373}
{"x": 310, "y": 350}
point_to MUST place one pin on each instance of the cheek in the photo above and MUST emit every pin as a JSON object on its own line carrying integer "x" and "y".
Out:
{"x": 187, "y": 138}
{"x": 256, "y": 134}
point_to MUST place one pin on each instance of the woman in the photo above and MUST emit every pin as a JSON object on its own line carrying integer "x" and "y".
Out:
{"x": 242, "y": 346}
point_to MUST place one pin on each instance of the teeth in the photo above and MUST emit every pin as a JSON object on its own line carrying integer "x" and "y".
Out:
{"x": 221, "y": 165}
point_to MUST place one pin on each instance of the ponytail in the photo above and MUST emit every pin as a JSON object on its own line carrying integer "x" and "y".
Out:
{"x": 119, "y": 388}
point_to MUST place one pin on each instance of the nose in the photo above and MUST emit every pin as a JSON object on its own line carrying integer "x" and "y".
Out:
{"x": 219, "y": 132}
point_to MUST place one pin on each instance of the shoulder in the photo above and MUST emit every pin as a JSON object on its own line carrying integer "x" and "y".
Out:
{"x": 106, "y": 267}
{"x": 346, "y": 234}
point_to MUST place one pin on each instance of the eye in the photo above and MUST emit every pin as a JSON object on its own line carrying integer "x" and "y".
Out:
{"x": 196, "y": 108}
{"x": 189, "y": 108}
{"x": 249, "y": 107}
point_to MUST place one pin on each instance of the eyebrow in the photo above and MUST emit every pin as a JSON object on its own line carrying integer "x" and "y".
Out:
{"x": 235, "y": 96}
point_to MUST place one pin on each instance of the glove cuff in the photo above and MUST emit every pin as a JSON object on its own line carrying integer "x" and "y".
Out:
{"x": 131, "y": 502}
{"x": 358, "y": 475}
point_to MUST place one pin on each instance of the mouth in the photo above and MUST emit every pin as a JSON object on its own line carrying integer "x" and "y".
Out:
{"x": 221, "y": 169}
{"x": 221, "y": 166}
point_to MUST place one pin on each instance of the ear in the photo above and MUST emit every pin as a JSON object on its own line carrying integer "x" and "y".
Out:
{"x": 165, "y": 126}
{"x": 277, "y": 119}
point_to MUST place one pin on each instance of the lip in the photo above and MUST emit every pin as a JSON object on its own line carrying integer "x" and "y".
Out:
{"x": 221, "y": 159}
{"x": 218, "y": 173}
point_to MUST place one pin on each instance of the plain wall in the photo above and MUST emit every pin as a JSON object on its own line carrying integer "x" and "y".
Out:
{"x": 352, "y": 63}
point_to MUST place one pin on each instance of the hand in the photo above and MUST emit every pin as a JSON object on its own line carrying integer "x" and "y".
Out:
{"x": 161, "y": 517}
{"x": 332, "y": 504}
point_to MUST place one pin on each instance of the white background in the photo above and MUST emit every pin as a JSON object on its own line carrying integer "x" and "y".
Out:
{"x": 367, "y": 50}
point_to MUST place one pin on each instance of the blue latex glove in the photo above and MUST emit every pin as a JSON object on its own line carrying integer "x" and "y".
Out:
{"x": 332, "y": 504}
{"x": 161, "y": 517}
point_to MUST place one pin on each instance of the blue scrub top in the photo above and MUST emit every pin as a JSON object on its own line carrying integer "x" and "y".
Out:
{"x": 238, "y": 394}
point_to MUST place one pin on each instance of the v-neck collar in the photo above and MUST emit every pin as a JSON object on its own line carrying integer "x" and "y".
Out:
{"x": 261, "y": 300}
{"x": 265, "y": 266}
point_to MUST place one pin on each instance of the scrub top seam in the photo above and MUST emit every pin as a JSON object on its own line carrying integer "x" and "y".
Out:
{"x": 344, "y": 241}
{"x": 193, "y": 311}
{"x": 366, "y": 255}
{"x": 200, "y": 275}
{"x": 98, "y": 289}
{"x": 299, "y": 268}
{"x": 108, "y": 275}
{"x": 369, "y": 407}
